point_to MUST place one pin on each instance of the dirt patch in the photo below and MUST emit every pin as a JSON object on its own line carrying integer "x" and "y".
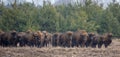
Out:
{"x": 112, "y": 51}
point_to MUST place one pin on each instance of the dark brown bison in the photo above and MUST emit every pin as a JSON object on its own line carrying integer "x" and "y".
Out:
{"x": 14, "y": 39}
{"x": 9, "y": 38}
{"x": 22, "y": 39}
{"x": 65, "y": 39}
{"x": 76, "y": 39}
{"x": 80, "y": 38}
{"x": 100, "y": 40}
{"x": 96, "y": 40}
{"x": 30, "y": 38}
{"x": 47, "y": 38}
{"x": 5, "y": 40}
{"x": 1, "y": 34}
{"x": 55, "y": 39}
{"x": 91, "y": 35}
{"x": 41, "y": 36}
{"x": 38, "y": 39}
{"x": 107, "y": 39}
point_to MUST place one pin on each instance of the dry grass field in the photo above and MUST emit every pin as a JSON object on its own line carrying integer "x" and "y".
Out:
{"x": 112, "y": 51}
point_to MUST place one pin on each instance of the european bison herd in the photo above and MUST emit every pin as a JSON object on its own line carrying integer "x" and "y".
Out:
{"x": 79, "y": 38}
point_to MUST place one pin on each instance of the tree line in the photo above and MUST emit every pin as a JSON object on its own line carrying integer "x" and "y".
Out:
{"x": 89, "y": 16}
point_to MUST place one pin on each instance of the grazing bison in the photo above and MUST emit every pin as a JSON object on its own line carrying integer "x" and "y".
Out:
{"x": 65, "y": 39}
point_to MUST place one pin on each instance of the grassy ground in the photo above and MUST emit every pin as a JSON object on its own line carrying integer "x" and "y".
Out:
{"x": 112, "y": 51}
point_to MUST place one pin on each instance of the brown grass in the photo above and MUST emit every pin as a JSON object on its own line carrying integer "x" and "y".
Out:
{"x": 112, "y": 51}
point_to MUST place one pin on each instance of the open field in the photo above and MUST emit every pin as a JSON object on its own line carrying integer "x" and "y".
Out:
{"x": 112, "y": 51}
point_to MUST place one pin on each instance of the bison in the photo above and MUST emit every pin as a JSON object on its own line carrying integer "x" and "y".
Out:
{"x": 80, "y": 38}
{"x": 9, "y": 38}
{"x": 22, "y": 39}
{"x": 39, "y": 39}
{"x": 107, "y": 39}
{"x": 30, "y": 38}
{"x": 1, "y": 34}
{"x": 100, "y": 40}
{"x": 47, "y": 38}
{"x": 55, "y": 39}
{"x": 91, "y": 35}
{"x": 65, "y": 39}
